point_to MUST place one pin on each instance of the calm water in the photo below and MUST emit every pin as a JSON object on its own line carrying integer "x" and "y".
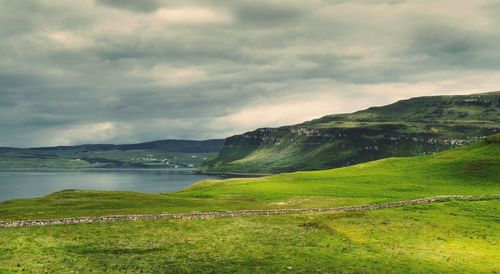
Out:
{"x": 33, "y": 183}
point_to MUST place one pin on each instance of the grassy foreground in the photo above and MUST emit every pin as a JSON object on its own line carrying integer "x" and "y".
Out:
{"x": 450, "y": 237}
{"x": 446, "y": 237}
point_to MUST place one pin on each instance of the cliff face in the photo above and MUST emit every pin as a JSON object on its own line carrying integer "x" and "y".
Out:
{"x": 411, "y": 127}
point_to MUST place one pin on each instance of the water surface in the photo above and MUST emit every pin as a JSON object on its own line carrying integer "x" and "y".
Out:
{"x": 34, "y": 183}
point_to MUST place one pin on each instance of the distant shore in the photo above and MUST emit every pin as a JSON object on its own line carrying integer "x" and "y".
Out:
{"x": 233, "y": 174}
{"x": 95, "y": 168}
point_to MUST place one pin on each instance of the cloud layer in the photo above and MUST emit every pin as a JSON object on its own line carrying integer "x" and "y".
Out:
{"x": 119, "y": 71}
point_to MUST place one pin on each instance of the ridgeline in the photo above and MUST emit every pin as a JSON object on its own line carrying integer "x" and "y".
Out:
{"x": 417, "y": 126}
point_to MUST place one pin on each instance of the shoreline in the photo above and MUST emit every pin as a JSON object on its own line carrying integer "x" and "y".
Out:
{"x": 185, "y": 177}
{"x": 233, "y": 174}
{"x": 96, "y": 168}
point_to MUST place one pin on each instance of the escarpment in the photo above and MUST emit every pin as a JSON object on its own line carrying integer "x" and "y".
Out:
{"x": 407, "y": 128}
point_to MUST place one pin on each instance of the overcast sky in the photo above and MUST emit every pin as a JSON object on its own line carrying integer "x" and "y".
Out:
{"x": 121, "y": 71}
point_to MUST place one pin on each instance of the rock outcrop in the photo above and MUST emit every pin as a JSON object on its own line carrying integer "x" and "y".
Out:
{"x": 407, "y": 128}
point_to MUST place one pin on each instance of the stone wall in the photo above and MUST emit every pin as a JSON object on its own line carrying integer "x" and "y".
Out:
{"x": 238, "y": 213}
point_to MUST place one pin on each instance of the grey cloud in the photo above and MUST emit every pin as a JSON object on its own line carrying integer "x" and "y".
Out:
{"x": 19, "y": 18}
{"x": 152, "y": 79}
{"x": 266, "y": 13}
{"x": 446, "y": 46}
{"x": 132, "y": 5}
{"x": 166, "y": 49}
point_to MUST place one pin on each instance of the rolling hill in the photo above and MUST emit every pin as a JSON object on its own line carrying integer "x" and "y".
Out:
{"x": 448, "y": 237}
{"x": 410, "y": 127}
{"x": 162, "y": 153}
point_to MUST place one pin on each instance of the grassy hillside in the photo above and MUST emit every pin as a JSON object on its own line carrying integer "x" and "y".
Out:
{"x": 157, "y": 154}
{"x": 411, "y": 127}
{"x": 472, "y": 170}
{"x": 450, "y": 237}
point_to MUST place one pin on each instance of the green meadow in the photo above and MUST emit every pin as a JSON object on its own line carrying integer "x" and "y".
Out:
{"x": 449, "y": 237}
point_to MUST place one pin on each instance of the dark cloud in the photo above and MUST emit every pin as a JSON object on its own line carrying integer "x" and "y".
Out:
{"x": 125, "y": 71}
{"x": 132, "y": 5}
{"x": 445, "y": 47}
{"x": 265, "y": 13}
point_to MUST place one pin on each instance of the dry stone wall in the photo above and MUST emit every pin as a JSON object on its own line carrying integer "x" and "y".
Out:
{"x": 239, "y": 213}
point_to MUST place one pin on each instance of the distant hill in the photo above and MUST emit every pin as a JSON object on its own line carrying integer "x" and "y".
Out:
{"x": 156, "y": 154}
{"x": 410, "y": 127}
{"x": 187, "y": 146}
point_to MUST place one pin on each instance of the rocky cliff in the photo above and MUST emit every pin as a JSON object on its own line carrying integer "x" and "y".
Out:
{"x": 406, "y": 128}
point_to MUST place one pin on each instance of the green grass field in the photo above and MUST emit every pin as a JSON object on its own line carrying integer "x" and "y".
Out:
{"x": 451, "y": 237}
{"x": 455, "y": 236}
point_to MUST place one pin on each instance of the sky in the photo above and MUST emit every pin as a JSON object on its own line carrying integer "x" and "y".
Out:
{"x": 125, "y": 71}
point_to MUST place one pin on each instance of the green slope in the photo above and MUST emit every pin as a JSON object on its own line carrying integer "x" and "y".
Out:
{"x": 411, "y": 127}
{"x": 449, "y": 237}
{"x": 470, "y": 170}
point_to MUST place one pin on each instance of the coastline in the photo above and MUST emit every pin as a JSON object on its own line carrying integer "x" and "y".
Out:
{"x": 45, "y": 181}
{"x": 233, "y": 174}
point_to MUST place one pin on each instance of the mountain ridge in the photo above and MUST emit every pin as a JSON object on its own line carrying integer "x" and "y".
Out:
{"x": 171, "y": 145}
{"x": 414, "y": 126}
